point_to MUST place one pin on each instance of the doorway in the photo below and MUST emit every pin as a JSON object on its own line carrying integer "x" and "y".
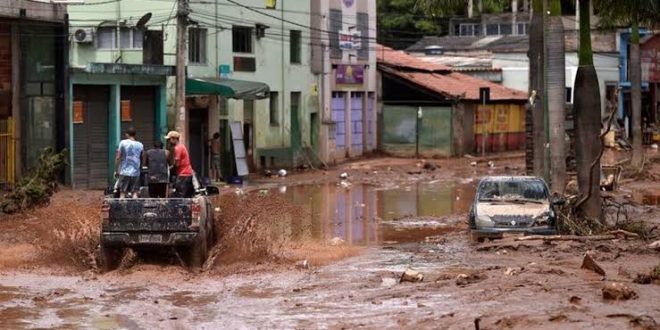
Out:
{"x": 197, "y": 140}
{"x": 248, "y": 132}
{"x": 90, "y": 136}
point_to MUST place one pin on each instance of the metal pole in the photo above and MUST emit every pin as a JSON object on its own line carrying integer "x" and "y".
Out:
{"x": 181, "y": 121}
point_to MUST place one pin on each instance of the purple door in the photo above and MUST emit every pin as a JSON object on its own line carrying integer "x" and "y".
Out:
{"x": 339, "y": 116}
{"x": 371, "y": 127}
{"x": 356, "y": 122}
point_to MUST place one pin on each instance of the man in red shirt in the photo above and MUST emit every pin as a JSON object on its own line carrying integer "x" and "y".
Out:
{"x": 184, "y": 173}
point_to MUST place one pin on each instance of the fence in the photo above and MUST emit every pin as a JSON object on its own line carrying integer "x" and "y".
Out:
{"x": 7, "y": 153}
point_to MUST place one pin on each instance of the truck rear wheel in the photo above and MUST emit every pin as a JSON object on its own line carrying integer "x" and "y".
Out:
{"x": 110, "y": 258}
{"x": 198, "y": 252}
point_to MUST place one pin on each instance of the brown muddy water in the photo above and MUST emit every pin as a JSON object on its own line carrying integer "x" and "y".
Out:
{"x": 365, "y": 215}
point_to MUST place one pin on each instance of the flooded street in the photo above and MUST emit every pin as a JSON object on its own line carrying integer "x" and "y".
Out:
{"x": 340, "y": 253}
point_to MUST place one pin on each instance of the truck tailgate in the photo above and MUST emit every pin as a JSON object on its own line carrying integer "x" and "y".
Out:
{"x": 148, "y": 214}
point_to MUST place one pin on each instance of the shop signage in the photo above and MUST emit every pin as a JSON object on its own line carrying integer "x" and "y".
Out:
{"x": 349, "y": 75}
{"x": 349, "y": 40}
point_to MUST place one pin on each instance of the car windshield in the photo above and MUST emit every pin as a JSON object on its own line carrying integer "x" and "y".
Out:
{"x": 513, "y": 190}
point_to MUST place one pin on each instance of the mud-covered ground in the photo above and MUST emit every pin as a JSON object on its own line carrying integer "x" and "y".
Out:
{"x": 322, "y": 254}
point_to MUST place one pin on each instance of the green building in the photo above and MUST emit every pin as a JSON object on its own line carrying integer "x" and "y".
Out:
{"x": 248, "y": 66}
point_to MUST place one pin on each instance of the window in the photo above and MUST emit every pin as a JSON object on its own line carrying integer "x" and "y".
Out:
{"x": 274, "y": 109}
{"x": 469, "y": 29}
{"x": 197, "y": 45}
{"x": 492, "y": 29}
{"x": 336, "y": 25}
{"x": 295, "y": 102}
{"x": 107, "y": 37}
{"x": 569, "y": 95}
{"x": 130, "y": 38}
{"x": 522, "y": 28}
{"x": 505, "y": 29}
{"x": 363, "y": 27}
{"x": 294, "y": 46}
{"x": 242, "y": 39}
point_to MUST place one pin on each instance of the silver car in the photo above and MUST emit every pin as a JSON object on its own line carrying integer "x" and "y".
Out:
{"x": 511, "y": 204}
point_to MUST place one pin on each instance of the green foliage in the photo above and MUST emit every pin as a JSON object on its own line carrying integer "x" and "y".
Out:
{"x": 624, "y": 13}
{"x": 36, "y": 188}
{"x": 401, "y": 23}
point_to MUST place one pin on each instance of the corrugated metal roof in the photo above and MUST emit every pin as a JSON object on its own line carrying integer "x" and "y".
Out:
{"x": 440, "y": 78}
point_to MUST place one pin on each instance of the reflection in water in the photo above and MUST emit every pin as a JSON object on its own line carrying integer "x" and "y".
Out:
{"x": 355, "y": 214}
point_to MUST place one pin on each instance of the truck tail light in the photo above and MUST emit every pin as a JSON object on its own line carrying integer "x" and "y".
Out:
{"x": 195, "y": 214}
{"x": 105, "y": 212}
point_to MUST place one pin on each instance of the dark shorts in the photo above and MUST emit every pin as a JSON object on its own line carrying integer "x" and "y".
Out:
{"x": 129, "y": 184}
{"x": 183, "y": 186}
{"x": 215, "y": 162}
{"x": 157, "y": 190}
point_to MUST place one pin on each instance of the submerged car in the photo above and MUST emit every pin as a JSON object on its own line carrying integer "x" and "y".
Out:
{"x": 511, "y": 204}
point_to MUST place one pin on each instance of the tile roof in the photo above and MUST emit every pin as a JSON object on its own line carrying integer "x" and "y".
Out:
{"x": 402, "y": 60}
{"x": 441, "y": 79}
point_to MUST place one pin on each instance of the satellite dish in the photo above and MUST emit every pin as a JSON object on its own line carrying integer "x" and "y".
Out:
{"x": 143, "y": 21}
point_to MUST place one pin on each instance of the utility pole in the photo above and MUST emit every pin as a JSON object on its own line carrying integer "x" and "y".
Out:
{"x": 181, "y": 121}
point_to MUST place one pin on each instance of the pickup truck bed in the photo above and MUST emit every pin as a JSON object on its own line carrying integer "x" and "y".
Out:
{"x": 185, "y": 224}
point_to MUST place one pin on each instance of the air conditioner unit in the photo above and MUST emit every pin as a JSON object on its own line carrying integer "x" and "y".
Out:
{"x": 83, "y": 35}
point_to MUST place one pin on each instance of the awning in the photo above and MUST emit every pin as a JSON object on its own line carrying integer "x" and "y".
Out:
{"x": 229, "y": 88}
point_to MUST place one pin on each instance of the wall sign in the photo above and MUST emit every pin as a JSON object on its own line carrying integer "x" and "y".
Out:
{"x": 349, "y": 74}
{"x": 126, "y": 110}
{"x": 78, "y": 112}
{"x": 349, "y": 40}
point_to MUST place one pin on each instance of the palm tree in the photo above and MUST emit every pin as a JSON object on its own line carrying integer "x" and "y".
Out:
{"x": 587, "y": 123}
{"x": 537, "y": 83}
{"x": 633, "y": 13}
{"x": 556, "y": 97}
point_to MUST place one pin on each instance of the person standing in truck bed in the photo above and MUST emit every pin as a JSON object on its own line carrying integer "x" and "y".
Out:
{"x": 127, "y": 165}
{"x": 183, "y": 185}
{"x": 159, "y": 172}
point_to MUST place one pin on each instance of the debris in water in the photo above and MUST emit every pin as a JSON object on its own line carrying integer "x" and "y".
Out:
{"x": 336, "y": 241}
{"x": 491, "y": 164}
{"x": 430, "y": 166}
{"x": 411, "y": 276}
{"x": 302, "y": 264}
{"x": 473, "y": 164}
{"x": 281, "y": 173}
{"x": 343, "y": 176}
{"x": 575, "y": 300}
{"x": 589, "y": 263}
{"x": 618, "y": 291}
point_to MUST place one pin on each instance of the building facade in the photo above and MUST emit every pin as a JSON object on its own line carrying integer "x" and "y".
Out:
{"x": 118, "y": 78}
{"x": 343, "y": 35}
{"x": 248, "y": 70}
{"x": 32, "y": 90}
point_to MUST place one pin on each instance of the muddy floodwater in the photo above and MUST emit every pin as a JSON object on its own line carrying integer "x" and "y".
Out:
{"x": 365, "y": 215}
{"x": 359, "y": 239}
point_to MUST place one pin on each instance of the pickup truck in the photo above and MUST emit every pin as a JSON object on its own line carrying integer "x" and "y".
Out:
{"x": 185, "y": 225}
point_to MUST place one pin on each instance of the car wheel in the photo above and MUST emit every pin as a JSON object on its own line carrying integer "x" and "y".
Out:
{"x": 475, "y": 237}
{"x": 110, "y": 258}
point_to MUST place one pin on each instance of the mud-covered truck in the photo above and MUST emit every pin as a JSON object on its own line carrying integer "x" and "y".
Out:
{"x": 182, "y": 225}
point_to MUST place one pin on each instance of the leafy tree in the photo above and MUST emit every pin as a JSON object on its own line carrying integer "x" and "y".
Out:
{"x": 633, "y": 13}
{"x": 401, "y": 23}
